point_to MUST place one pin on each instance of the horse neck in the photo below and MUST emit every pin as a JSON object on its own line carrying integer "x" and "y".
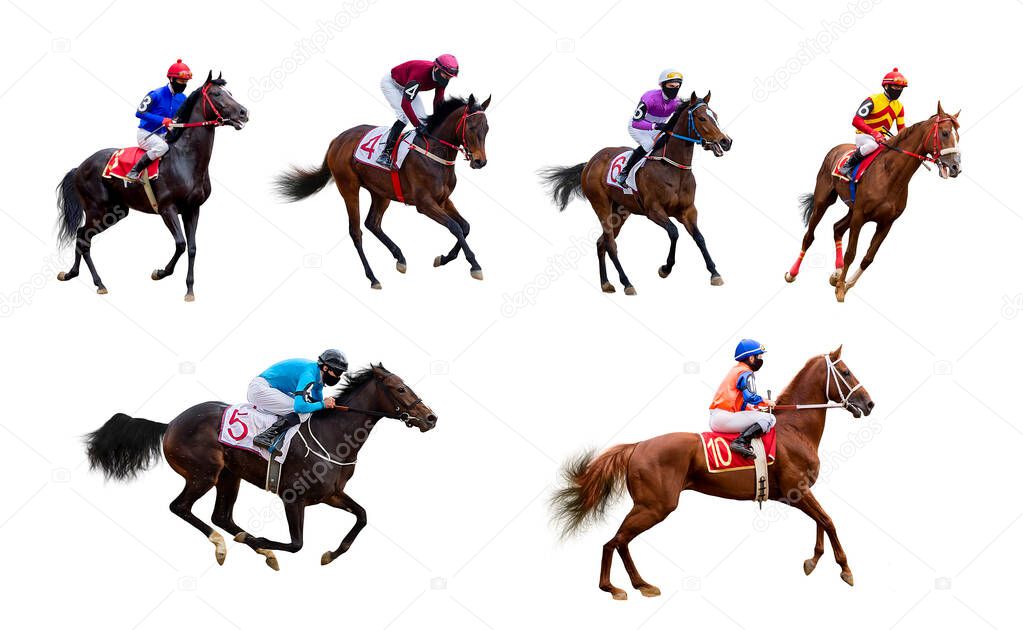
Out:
{"x": 448, "y": 132}
{"x": 679, "y": 150}
{"x": 807, "y": 387}
{"x": 195, "y": 146}
{"x": 350, "y": 430}
{"x": 914, "y": 139}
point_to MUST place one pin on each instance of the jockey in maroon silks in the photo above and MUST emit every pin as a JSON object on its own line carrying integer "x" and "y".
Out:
{"x": 401, "y": 87}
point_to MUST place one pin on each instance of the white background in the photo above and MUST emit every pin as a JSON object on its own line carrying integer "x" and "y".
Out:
{"x": 458, "y": 534}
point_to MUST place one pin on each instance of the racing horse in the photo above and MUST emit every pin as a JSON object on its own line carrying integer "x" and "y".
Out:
{"x": 125, "y": 446}
{"x": 90, "y": 203}
{"x": 425, "y": 180}
{"x": 881, "y": 193}
{"x": 666, "y": 187}
{"x": 657, "y": 470}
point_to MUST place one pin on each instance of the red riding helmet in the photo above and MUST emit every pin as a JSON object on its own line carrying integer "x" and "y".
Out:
{"x": 179, "y": 71}
{"x": 447, "y": 64}
{"x": 894, "y": 78}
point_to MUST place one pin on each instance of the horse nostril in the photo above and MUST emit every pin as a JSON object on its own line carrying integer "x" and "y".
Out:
{"x": 870, "y": 405}
{"x": 432, "y": 419}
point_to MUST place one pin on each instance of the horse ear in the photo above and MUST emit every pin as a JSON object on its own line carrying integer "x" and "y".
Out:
{"x": 941, "y": 111}
{"x": 692, "y": 98}
{"x": 956, "y": 115}
{"x": 486, "y": 103}
{"x": 209, "y": 77}
{"x": 706, "y": 99}
{"x": 471, "y": 101}
{"x": 220, "y": 75}
{"x": 836, "y": 354}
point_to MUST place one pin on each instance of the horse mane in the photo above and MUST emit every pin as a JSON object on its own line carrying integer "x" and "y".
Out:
{"x": 185, "y": 111}
{"x": 787, "y": 390}
{"x": 444, "y": 109}
{"x": 355, "y": 380}
{"x": 683, "y": 106}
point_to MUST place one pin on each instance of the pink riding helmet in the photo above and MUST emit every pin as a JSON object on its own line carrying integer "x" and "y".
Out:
{"x": 447, "y": 64}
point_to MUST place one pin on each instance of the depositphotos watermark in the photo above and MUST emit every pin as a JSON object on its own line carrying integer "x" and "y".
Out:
{"x": 307, "y": 48}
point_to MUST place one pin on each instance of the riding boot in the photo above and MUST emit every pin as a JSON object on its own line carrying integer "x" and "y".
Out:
{"x": 741, "y": 444}
{"x": 853, "y": 161}
{"x": 392, "y": 139}
{"x": 268, "y": 438}
{"x": 638, "y": 154}
{"x": 135, "y": 174}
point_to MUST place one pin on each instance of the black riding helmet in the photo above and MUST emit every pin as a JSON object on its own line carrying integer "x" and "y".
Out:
{"x": 334, "y": 360}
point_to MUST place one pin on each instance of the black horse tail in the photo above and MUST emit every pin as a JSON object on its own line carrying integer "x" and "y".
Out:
{"x": 71, "y": 211}
{"x": 124, "y": 446}
{"x": 298, "y": 183}
{"x": 806, "y": 202}
{"x": 564, "y": 182}
{"x": 591, "y": 485}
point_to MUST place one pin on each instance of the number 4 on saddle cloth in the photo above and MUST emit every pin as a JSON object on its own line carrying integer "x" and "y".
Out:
{"x": 372, "y": 144}
{"x": 240, "y": 423}
{"x": 122, "y": 160}
{"x": 721, "y": 459}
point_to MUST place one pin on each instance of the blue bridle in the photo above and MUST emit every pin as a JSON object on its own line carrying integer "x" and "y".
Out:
{"x": 691, "y": 126}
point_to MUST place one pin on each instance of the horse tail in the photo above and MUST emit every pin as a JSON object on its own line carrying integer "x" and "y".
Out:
{"x": 124, "y": 446}
{"x": 591, "y": 485}
{"x": 298, "y": 183}
{"x": 71, "y": 211}
{"x": 806, "y": 203}
{"x": 564, "y": 182}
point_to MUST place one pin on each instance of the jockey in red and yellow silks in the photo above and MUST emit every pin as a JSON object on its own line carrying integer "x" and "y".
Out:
{"x": 737, "y": 408}
{"x": 877, "y": 115}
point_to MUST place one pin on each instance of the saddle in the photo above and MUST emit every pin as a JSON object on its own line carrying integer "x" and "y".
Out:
{"x": 240, "y": 423}
{"x": 721, "y": 459}
{"x": 615, "y": 167}
{"x": 121, "y": 162}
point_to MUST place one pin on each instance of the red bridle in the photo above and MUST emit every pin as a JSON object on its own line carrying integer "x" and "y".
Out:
{"x": 936, "y": 149}
{"x": 206, "y": 101}
{"x": 459, "y": 130}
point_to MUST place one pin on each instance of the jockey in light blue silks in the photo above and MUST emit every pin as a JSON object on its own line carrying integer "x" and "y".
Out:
{"x": 654, "y": 109}
{"x": 156, "y": 113}
{"x": 293, "y": 389}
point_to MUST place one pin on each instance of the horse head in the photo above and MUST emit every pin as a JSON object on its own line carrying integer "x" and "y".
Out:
{"x": 399, "y": 401}
{"x": 841, "y": 385}
{"x": 474, "y": 128}
{"x": 703, "y": 122}
{"x": 944, "y": 143}
{"x": 218, "y": 103}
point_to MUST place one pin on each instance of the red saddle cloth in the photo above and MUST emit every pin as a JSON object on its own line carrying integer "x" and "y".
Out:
{"x": 123, "y": 159}
{"x": 720, "y": 458}
{"x": 862, "y": 168}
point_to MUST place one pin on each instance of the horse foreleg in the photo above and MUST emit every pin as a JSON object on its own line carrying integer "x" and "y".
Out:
{"x": 818, "y": 550}
{"x": 659, "y": 217}
{"x": 344, "y": 502}
{"x": 295, "y": 513}
{"x": 191, "y": 224}
{"x": 868, "y": 258}
{"x": 223, "y": 512}
{"x": 839, "y": 230}
{"x": 169, "y": 214}
{"x": 809, "y": 505}
{"x": 855, "y": 225}
{"x": 431, "y": 209}
{"x": 689, "y": 222}
{"x": 452, "y": 212}
{"x": 374, "y": 223}
{"x": 350, "y": 193}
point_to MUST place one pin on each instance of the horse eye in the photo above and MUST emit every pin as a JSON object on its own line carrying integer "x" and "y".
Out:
{"x": 846, "y": 373}
{"x": 401, "y": 390}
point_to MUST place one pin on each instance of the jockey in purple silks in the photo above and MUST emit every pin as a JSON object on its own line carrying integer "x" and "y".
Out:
{"x": 654, "y": 109}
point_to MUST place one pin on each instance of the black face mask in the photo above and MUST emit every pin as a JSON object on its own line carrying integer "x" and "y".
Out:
{"x": 177, "y": 88}
{"x": 670, "y": 93}
{"x": 441, "y": 80}
{"x": 330, "y": 380}
{"x": 756, "y": 364}
{"x": 893, "y": 93}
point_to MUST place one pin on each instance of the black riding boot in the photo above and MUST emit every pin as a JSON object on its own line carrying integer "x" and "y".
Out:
{"x": 267, "y": 438}
{"x": 854, "y": 160}
{"x": 392, "y": 139}
{"x": 135, "y": 174}
{"x": 638, "y": 154}
{"x": 741, "y": 444}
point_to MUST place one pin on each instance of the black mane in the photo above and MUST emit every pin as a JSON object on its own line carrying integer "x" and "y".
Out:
{"x": 185, "y": 111}
{"x": 684, "y": 106}
{"x": 355, "y": 380}
{"x": 441, "y": 113}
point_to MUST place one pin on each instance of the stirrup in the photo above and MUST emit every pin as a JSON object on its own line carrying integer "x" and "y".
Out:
{"x": 746, "y": 450}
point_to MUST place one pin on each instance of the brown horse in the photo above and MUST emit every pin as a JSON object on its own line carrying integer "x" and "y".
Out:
{"x": 881, "y": 194}
{"x": 316, "y": 470}
{"x": 667, "y": 187}
{"x": 426, "y": 179}
{"x": 657, "y": 470}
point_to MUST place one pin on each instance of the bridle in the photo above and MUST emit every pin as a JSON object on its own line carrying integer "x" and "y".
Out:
{"x": 459, "y": 148}
{"x": 218, "y": 121}
{"x": 842, "y": 386}
{"x": 399, "y": 413}
{"x": 690, "y": 128}
{"x": 936, "y": 148}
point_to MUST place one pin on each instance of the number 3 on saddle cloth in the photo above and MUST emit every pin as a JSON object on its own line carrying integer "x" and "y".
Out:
{"x": 721, "y": 459}
{"x": 857, "y": 173}
{"x": 240, "y": 423}
{"x": 122, "y": 160}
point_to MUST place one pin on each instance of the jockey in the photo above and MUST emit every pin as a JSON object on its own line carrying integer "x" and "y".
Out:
{"x": 737, "y": 408}
{"x": 875, "y": 118}
{"x": 156, "y": 112}
{"x": 401, "y": 89}
{"x": 293, "y": 390}
{"x": 654, "y": 109}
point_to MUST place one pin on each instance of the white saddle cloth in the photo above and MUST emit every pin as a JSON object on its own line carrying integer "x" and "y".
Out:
{"x": 372, "y": 145}
{"x": 241, "y": 423}
{"x": 616, "y": 167}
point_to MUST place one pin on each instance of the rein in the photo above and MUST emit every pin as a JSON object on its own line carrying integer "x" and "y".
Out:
{"x": 459, "y": 148}
{"x": 840, "y": 381}
{"x": 690, "y": 126}
{"x": 935, "y": 150}
{"x": 206, "y": 100}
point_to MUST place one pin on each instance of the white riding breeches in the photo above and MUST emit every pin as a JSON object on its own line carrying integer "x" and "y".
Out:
{"x": 394, "y": 94}
{"x": 270, "y": 400}
{"x": 154, "y": 144}
{"x": 865, "y": 143}
{"x": 737, "y": 422}
{"x": 643, "y": 137}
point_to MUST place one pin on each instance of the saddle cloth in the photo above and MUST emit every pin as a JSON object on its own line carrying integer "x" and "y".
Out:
{"x": 123, "y": 159}
{"x": 616, "y": 167}
{"x": 860, "y": 170}
{"x": 721, "y": 459}
{"x": 241, "y": 423}
{"x": 372, "y": 144}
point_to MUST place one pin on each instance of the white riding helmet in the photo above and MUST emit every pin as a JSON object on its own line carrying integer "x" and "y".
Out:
{"x": 669, "y": 75}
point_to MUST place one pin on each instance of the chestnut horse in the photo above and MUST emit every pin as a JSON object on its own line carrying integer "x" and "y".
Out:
{"x": 426, "y": 178}
{"x": 881, "y": 194}
{"x": 316, "y": 470}
{"x": 667, "y": 187}
{"x": 657, "y": 470}
{"x": 90, "y": 203}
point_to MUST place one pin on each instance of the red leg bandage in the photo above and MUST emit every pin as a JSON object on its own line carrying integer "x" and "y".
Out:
{"x": 839, "y": 262}
{"x": 794, "y": 271}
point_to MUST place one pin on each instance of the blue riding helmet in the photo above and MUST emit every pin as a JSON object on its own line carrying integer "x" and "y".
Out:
{"x": 748, "y": 348}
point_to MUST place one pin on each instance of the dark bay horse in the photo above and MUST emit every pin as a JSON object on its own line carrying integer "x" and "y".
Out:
{"x": 90, "y": 203}
{"x": 426, "y": 179}
{"x": 657, "y": 470}
{"x": 320, "y": 461}
{"x": 667, "y": 188}
{"x": 881, "y": 194}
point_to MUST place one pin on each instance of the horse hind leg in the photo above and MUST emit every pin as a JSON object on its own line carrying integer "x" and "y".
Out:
{"x": 823, "y": 197}
{"x": 223, "y": 512}
{"x": 374, "y": 223}
{"x": 818, "y": 550}
{"x": 195, "y": 488}
{"x": 638, "y": 520}
{"x": 96, "y": 221}
{"x": 839, "y": 230}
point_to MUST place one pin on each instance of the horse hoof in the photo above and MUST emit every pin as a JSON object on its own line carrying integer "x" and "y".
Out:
{"x": 155, "y": 275}
{"x": 221, "y": 548}
{"x": 789, "y": 277}
{"x": 716, "y": 281}
{"x": 189, "y": 297}
{"x": 271, "y": 561}
{"x": 809, "y": 566}
{"x": 477, "y": 274}
{"x": 61, "y": 276}
{"x": 619, "y": 595}
{"x": 326, "y": 558}
{"x": 630, "y": 290}
{"x": 840, "y": 295}
{"x": 437, "y": 262}
{"x": 663, "y": 271}
{"x": 101, "y": 290}
{"x": 376, "y": 285}
{"x": 834, "y": 278}
{"x": 847, "y": 577}
{"x": 607, "y": 287}
{"x": 240, "y": 537}
{"x": 401, "y": 267}
{"x": 650, "y": 591}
